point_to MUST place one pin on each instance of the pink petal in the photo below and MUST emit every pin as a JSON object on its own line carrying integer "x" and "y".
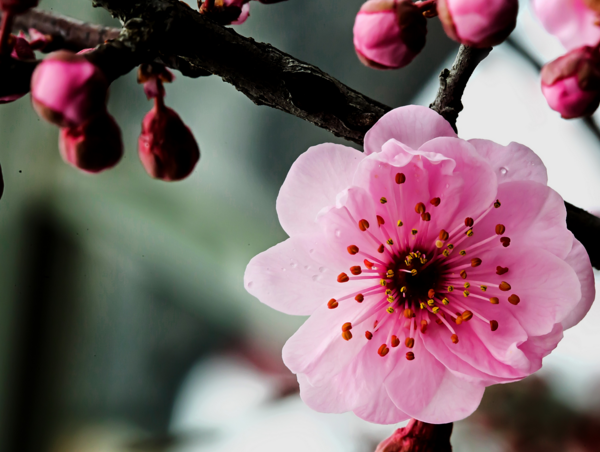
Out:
{"x": 579, "y": 260}
{"x": 512, "y": 162}
{"x": 381, "y": 410}
{"x": 412, "y": 125}
{"x": 314, "y": 181}
{"x": 538, "y": 347}
{"x": 243, "y": 15}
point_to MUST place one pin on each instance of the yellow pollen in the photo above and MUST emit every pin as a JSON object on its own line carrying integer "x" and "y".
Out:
{"x": 403, "y": 289}
{"x": 439, "y": 243}
{"x": 463, "y": 253}
{"x": 446, "y": 253}
{"x": 450, "y": 288}
{"x": 414, "y": 232}
{"x": 467, "y": 285}
{"x": 390, "y": 242}
{"x": 497, "y": 203}
{"x": 400, "y": 223}
{"x": 390, "y": 310}
{"x": 390, "y": 273}
{"x": 450, "y": 246}
{"x": 390, "y": 299}
{"x": 466, "y": 293}
{"x": 430, "y": 302}
{"x": 445, "y": 301}
{"x": 436, "y": 310}
{"x": 383, "y": 200}
{"x": 388, "y": 291}
{"x": 470, "y": 232}
{"x": 413, "y": 271}
{"x": 383, "y": 282}
{"x": 483, "y": 288}
{"x": 422, "y": 305}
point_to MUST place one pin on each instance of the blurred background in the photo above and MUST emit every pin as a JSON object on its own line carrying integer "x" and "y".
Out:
{"x": 124, "y": 323}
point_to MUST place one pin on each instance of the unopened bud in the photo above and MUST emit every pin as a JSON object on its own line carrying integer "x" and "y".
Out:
{"x": 93, "y": 146}
{"x": 166, "y": 145}
{"x": 571, "y": 83}
{"x": 226, "y": 12}
{"x": 478, "y": 23}
{"x": 68, "y": 90}
{"x": 388, "y": 34}
{"x": 418, "y": 436}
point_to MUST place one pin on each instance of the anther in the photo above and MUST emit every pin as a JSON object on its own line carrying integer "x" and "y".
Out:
{"x": 431, "y": 302}
{"x": 501, "y": 270}
{"x": 504, "y": 286}
{"x": 391, "y": 299}
{"x": 353, "y": 249}
{"x": 410, "y": 356}
{"x": 420, "y": 208}
{"x": 413, "y": 271}
{"x": 423, "y": 326}
{"x": 356, "y": 270}
{"x": 463, "y": 274}
{"x": 347, "y": 326}
{"x": 436, "y": 309}
{"x": 363, "y": 225}
{"x": 493, "y": 325}
{"x": 466, "y": 293}
{"x": 390, "y": 310}
{"x": 390, "y": 241}
{"x": 514, "y": 299}
{"x": 483, "y": 288}
{"x": 431, "y": 293}
{"x": 462, "y": 252}
{"x": 395, "y": 341}
{"x": 476, "y": 262}
{"x": 445, "y": 301}
{"x": 467, "y": 285}
{"x": 470, "y": 233}
{"x": 400, "y": 178}
{"x": 446, "y": 253}
{"x": 505, "y": 241}
{"x": 403, "y": 289}
{"x": 380, "y": 220}
{"x": 368, "y": 335}
{"x": 332, "y": 304}
{"x": 347, "y": 335}
{"x": 409, "y": 342}
{"x": 439, "y": 243}
{"x": 444, "y": 235}
{"x": 360, "y": 298}
{"x": 435, "y": 202}
{"x": 439, "y": 321}
{"x": 450, "y": 288}
{"x": 414, "y": 232}
{"x": 450, "y": 246}
{"x": 500, "y": 229}
{"x": 467, "y": 315}
{"x": 426, "y": 216}
{"x": 399, "y": 223}
{"x": 469, "y": 222}
{"x": 381, "y": 249}
{"x": 388, "y": 291}
{"x": 383, "y": 350}
{"x": 382, "y": 282}
{"x": 408, "y": 313}
{"x": 497, "y": 204}
{"x": 383, "y": 200}
{"x": 494, "y": 300}
{"x": 422, "y": 305}
{"x": 342, "y": 278}
{"x": 454, "y": 339}
{"x": 369, "y": 264}
{"x": 458, "y": 320}
{"x": 390, "y": 273}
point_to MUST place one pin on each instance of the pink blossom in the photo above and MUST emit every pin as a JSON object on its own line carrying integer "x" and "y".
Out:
{"x": 68, "y": 90}
{"x": 431, "y": 267}
{"x": 94, "y": 146}
{"x": 388, "y": 34}
{"x": 478, "y": 23}
{"x": 571, "y": 83}
{"x": 571, "y": 21}
{"x": 227, "y": 12}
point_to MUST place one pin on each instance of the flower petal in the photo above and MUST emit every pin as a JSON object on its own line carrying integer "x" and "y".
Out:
{"x": 412, "y": 125}
{"x": 512, "y": 162}
{"x": 313, "y": 182}
{"x": 538, "y": 347}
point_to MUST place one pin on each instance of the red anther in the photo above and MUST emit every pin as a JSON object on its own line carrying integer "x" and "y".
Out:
{"x": 408, "y": 313}
{"x": 505, "y": 241}
{"x": 463, "y": 274}
{"x": 444, "y": 235}
{"x": 494, "y": 300}
{"x": 363, "y": 225}
{"x": 400, "y": 178}
{"x": 514, "y": 299}
{"x": 423, "y": 326}
{"x": 467, "y": 315}
{"x": 375, "y": 323}
{"x": 431, "y": 293}
{"x": 368, "y": 335}
{"x": 380, "y": 220}
{"x": 458, "y": 320}
{"x": 426, "y": 216}
{"x": 356, "y": 270}
{"x": 493, "y": 325}
{"x": 469, "y": 222}
{"x": 395, "y": 341}
{"x": 500, "y": 229}
{"x": 353, "y": 249}
{"x": 342, "y": 278}
{"x": 501, "y": 270}
{"x": 360, "y": 298}
{"x": 504, "y": 286}
{"x": 475, "y": 262}
{"x": 381, "y": 248}
{"x": 420, "y": 208}
{"x": 368, "y": 264}
{"x": 347, "y": 326}
{"x": 383, "y": 350}
{"x": 435, "y": 202}
{"x": 497, "y": 204}
{"x": 454, "y": 339}
{"x": 410, "y": 356}
{"x": 439, "y": 321}
{"x": 409, "y": 342}
{"x": 332, "y": 304}
{"x": 347, "y": 335}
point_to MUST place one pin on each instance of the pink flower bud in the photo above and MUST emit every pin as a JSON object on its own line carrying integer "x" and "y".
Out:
{"x": 68, "y": 90}
{"x": 93, "y": 146}
{"x": 571, "y": 83}
{"x": 227, "y": 12}
{"x": 418, "y": 436}
{"x": 18, "y": 6}
{"x": 388, "y": 34}
{"x": 166, "y": 145}
{"x": 478, "y": 23}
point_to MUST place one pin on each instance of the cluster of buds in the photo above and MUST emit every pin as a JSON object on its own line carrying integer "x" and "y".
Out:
{"x": 228, "y": 12}
{"x": 388, "y": 34}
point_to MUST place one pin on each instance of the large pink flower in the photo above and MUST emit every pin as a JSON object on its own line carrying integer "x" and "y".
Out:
{"x": 431, "y": 267}
{"x": 571, "y": 21}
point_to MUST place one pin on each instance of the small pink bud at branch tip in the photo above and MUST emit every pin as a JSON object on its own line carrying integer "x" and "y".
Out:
{"x": 418, "y": 436}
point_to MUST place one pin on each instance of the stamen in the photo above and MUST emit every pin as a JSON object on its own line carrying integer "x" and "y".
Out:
{"x": 470, "y": 233}
{"x": 445, "y": 301}
{"x": 383, "y": 350}
{"x": 500, "y": 229}
{"x": 504, "y": 286}
{"x": 463, "y": 274}
{"x": 454, "y": 339}
{"x": 431, "y": 302}
{"x": 435, "y": 202}
{"x": 501, "y": 270}
{"x": 466, "y": 293}
{"x": 410, "y": 356}
{"x": 420, "y": 208}
{"x": 381, "y": 249}
{"x": 505, "y": 241}
{"x": 423, "y": 326}
{"x": 450, "y": 288}
{"x": 360, "y": 298}
{"x": 390, "y": 310}
{"x": 368, "y": 264}
{"x": 469, "y": 222}
{"x": 389, "y": 241}
{"x": 467, "y": 315}
{"x": 497, "y": 204}
{"x": 462, "y": 252}
{"x": 383, "y": 282}
{"x": 356, "y": 270}
{"x": 439, "y": 243}
{"x": 494, "y": 300}
{"x": 409, "y": 342}
{"x": 493, "y": 325}
{"x": 431, "y": 293}
{"x": 514, "y": 299}
{"x": 347, "y": 335}
{"x": 483, "y": 288}
{"x": 444, "y": 235}
{"x": 363, "y": 225}
{"x": 436, "y": 309}
{"x": 466, "y": 285}
{"x": 332, "y": 304}
{"x": 380, "y": 221}
{"x": 399, "y": 223}
{"x": 400, "y": 178}
{"x": 368, "y": 335}
{"x": 408, "y": 313}
{"x": 353, "y": 249}
{"x": 347, "y": 326}
{"x": 414, "y": 232}
{"x": 476, "y": 262}
{"x": 383, "y": 200}
{"x": 389, "y": 273}
{"x": 395, "y": 341}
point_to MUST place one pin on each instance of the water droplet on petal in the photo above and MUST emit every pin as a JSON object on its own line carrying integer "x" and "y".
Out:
{"x": 503, "y": 170}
